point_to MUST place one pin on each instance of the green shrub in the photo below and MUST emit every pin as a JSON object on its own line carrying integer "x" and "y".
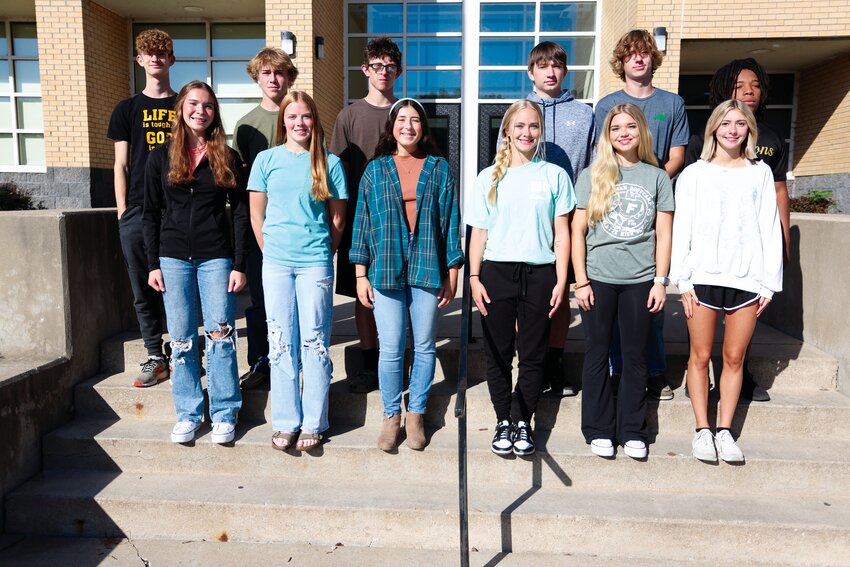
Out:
{"x": 819, "y": 201}
{"x": 12, "y": 199}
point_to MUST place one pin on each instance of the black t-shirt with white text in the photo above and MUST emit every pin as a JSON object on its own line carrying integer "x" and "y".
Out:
{"x": 145, "y": 123}
{"x": 770, "y": 147}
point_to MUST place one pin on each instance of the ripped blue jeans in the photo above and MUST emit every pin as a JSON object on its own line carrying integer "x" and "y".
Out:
{"x": 185, "y": 281}
{"x": 299, "y": 307}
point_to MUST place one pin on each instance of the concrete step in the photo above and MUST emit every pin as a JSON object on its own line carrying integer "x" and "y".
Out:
{"x": 803, "y": 414}
{"x": 395, "y": 513}
{"x": 793, "y": 464}
{"x": 52, "y": 551}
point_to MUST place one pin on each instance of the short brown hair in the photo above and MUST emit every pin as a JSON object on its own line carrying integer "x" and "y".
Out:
{"x": 154, "y": 41}
{"x": 382, "y": 47}
{"x": 545, "y": 52}
{"x": 275, "y": 58}
{"x": 635, "y": 41}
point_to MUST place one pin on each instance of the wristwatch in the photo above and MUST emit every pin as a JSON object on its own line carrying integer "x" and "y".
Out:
{"x": 663, "y": 280}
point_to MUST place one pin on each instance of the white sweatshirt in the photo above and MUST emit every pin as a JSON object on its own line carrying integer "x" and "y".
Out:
{"x": 726, "y": 230}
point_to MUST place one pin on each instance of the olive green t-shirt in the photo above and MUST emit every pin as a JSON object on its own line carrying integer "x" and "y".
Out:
{"x": 254, "y": 133}
{"x": 621, "y": 247}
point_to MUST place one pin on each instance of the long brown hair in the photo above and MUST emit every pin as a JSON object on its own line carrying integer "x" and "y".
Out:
{"x": 318, "y": 158}
{"x": 387, "y": 144}
{"x": 180, "y": 165}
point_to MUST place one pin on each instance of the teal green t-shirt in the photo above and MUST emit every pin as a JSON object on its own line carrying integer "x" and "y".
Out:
{"x": 296, "y": 231}
{"x": 621, "y": 247}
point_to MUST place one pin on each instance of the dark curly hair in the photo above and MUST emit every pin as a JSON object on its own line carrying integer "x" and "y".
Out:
{"x": 722, "y": 85}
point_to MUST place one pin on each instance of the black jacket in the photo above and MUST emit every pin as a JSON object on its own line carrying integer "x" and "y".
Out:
{"x": 189, "y": 222}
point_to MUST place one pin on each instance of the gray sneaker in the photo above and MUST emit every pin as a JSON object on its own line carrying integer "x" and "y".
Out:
{"x": 153, "y": 371}
{"x": 658, "y": 389}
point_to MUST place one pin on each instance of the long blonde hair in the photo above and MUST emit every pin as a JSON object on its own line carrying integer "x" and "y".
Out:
{"x": 709, "y": 148}
{"x": 318, "y": 158}
{"x": 605, "y": 171}
{"x": 503, "y": 154}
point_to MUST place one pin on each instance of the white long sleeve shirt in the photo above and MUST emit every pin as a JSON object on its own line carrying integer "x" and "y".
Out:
{"x": 726, "y": 231}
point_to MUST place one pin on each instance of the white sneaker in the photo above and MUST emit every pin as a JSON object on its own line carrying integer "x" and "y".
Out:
{"x": 635, "y": 449}
{"x": 703, "y": 446}
{"x": 727, "y": 449}
{"x": 184, "y": 431}
{"x": 223, "y": 432}
{"x": 602, "y": 447}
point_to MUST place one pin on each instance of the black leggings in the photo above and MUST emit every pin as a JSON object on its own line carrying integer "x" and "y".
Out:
{"x": 626, "y": 304}
{"x": 519, "y": 296}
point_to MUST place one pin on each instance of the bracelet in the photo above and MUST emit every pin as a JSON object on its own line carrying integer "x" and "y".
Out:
{"x": 473, "y": 276}
{"x": 579, "y": 286}
{"x": 357, "y": 277}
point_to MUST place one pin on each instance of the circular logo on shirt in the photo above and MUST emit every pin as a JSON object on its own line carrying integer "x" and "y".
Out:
{"x": 631, "y": 214}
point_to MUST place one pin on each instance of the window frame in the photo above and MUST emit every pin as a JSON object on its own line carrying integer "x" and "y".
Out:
{"x": 13, "y": 97}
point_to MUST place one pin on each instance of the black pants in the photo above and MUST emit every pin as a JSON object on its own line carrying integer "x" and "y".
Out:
{"x": 147, "y": 301}
{"x": 626, "y": 303}
{"x": 519, "y": 295}
{"x": 255, "y": 314}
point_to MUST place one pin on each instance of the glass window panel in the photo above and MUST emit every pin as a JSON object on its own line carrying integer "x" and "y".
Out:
{"x": 580, "y": 50}
{"x": 181, "y": 73}
{"x": 24, "y": 39}
{"x": 433, "y": 51}
{"x": 356, "y": 45}
{"x": 427, "y": 18}
{"x": 4, "y": 76}
{"x": 4, "y": 49}
{"x": 5, "y": 113}
{"x": 374, "y": 18}
{"x": 237, "y": 40}
{"x": 782, "y": 89}
{"x": 230, "y": 78}
{"x": 568, "y": 16}
{"x": 697, "y": 119}
{"x": 27, "y": 77}
{"x": 505, "y": 50}
{"x": 495, "y": 124}
{"x": 190, "y": 40}
{"x": 7, "y": 150}
{"x": 440, "y": 133}
{"x": 580, "y": 83}
{"x": 503, "y": 84}
{"x": 694, "y": 89}
{"x": 433, "y": 84}
{"x": 232, "y": 109}
{"x": 507, "y": 17}
{"x": 29, "y": 113}
{"x": 31, "y": 148}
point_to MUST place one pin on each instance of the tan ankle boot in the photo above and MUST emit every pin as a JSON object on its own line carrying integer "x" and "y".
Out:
{"x": 414, "y": 427}
{"x": 388, "y": 437}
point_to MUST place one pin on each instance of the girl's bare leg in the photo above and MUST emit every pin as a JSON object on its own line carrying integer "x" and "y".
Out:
{"x": 740, "y": 325}
{"x": 701, "y": 329}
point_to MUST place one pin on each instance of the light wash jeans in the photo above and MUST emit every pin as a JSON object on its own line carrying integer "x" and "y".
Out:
{"x": 299, "y": 306}
{"x": 184, "y": 280}
{"x": 391, "y": 311}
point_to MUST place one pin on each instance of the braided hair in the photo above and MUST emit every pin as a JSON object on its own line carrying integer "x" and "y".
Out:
{"x": 722, "y": 85}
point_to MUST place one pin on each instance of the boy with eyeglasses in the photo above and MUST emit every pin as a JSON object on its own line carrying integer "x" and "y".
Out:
{"x": 356, "y": 132}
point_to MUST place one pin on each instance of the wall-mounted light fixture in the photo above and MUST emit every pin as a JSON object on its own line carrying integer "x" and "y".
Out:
{"x": 660, "y": 36}
{"x": 320, "y": 47}
{"x": 287, "y": 42}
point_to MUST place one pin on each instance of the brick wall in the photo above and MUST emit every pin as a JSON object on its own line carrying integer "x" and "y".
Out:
{"x": 295, "y": 16}
{"x": 618, "y": 17}
{"x": 328, "y": 77}
{"x": 823, "y": 114}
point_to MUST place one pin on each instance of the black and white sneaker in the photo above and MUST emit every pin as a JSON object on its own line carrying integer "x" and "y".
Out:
{"x": 523, "y": 441}
{"x": 503, "y": 440}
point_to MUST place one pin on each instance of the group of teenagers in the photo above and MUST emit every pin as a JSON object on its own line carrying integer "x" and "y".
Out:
{"x": 381, "y": 198}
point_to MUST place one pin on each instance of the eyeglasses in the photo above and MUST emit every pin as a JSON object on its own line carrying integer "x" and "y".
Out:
{"x": 379, "y": 67}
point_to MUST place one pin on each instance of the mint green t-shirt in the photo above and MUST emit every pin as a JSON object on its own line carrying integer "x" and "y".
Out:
{"x": 296, "y": 231}
{"x": 520, "y": 224}
{"x": 621, "y": 247}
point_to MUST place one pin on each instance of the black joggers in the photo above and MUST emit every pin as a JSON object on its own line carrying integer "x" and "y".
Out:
{"x": 626, "y": 303}
{"x": 518, "y": 311}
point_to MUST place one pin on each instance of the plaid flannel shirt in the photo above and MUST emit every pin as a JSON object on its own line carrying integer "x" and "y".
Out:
{"x": 380, "y": 238}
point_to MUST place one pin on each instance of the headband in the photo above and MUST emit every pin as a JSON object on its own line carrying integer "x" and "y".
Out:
{"x": 407, "y": 98}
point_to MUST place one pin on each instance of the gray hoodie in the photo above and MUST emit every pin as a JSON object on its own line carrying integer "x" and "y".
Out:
{"x": 568, "y": 131}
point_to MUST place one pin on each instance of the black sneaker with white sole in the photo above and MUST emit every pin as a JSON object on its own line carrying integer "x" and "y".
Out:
{"x": 523, "y": 440}
{"x": 503, "y": 440}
